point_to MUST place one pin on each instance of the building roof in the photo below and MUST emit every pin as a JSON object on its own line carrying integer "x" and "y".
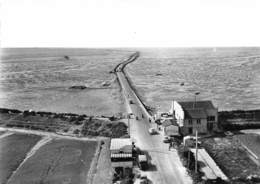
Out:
{"x": 121, "y": 155}
{"x": 121, "y": 144}
{"x": 172, "y": 130}
{"x": 199, "y": 104}
{"x": 142, "y": 158}
{"x": 197, "y": 113}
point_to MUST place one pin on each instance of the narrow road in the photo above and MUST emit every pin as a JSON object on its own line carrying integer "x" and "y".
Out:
{"x": 166, "y": 165}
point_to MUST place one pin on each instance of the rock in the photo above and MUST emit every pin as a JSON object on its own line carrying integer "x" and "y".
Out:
{"x": 158, "y": 74}
{"x": 67, "y": 57}
{"x": 105, "y": 84}
{"x": 9, "y": 111}
{"x": 78, "y": 87}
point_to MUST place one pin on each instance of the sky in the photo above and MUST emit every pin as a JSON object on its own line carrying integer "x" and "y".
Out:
{"x": 129, "y": 23}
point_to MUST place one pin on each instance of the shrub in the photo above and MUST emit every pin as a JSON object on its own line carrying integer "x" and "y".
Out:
{"x": 109, "y": 125}
{"x": 77, "y": 122}
{"x": 76, "y": 131}
{"x": 72, "y": 118}
{"x": 112, "y": 118}
{"x": 81, "y": 117}
{"x": 97, "y": 124}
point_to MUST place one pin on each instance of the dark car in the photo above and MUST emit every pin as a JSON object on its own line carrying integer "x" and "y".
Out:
{"x": 166, "y": 139}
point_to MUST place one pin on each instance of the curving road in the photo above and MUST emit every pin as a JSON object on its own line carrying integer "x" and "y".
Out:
{"x": 166, "y": 165}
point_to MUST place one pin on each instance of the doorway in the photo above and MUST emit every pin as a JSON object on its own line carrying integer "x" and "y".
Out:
{"x": 190, "y": 130}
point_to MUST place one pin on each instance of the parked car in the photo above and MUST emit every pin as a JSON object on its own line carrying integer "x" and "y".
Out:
{"x": 228, "y": 133}
{"x": 131, "y": 115}
{"x": 166, "y": 139}
{"x": 190, "y": 141}
{"x": 152, "y": 131}
{"x": 144, "y": 180}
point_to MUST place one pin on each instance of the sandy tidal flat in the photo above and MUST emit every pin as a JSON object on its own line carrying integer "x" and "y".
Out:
{"x": 227, "y": 76}
{"x": 40, "y": 78}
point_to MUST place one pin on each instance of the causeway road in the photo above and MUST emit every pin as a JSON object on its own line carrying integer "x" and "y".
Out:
{"x": 166, "y": 167}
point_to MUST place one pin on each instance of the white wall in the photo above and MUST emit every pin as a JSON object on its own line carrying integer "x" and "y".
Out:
{"x": 179, "y": 113}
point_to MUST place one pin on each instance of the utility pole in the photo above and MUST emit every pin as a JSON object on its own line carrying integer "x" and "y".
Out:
{"x": 197, "y": 93}
{"x": 196, "y": 156}
{"x": 128, "y": 122}
{"x": 188, "y": 158}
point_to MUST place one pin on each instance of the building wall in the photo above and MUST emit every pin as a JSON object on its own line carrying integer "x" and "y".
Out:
{"x": 178, "y": 113}
{"x": 212, "y": 112}
{"x": 202, "y": 127}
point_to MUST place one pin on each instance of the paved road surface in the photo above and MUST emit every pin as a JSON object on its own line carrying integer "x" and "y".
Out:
{"x": 166, "y": 165}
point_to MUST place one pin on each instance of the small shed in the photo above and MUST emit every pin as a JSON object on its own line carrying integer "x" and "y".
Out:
{"x": 170, "y": 127}
{"x": 121, "y": 145}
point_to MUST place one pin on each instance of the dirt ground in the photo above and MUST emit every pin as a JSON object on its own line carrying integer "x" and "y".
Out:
{"x": 59, "y": 161}
{"x": 104, "y": 173}
{"x": 231, "y": 157}
{"x": 13, "y": 150}
{"x": 2, "y": 132}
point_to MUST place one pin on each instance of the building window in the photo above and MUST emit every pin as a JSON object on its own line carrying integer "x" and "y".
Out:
{"x": 211, "y": 118}
{"x": 190, "y": 121}
{"x": 198, "y": 121}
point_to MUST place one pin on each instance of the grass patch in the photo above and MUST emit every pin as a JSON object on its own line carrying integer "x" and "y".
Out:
{"x": 95, "y": 127}
{"x": 232, "y": 158}
{"x": 71, "y": 124}
{"x": 59, "y": 161}
{"x": 251, "y": 141}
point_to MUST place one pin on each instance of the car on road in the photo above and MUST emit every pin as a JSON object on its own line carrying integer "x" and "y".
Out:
{"x": 152, "y": 131}
{"x": 131, "y": 102}
{"x": 130, "y": 116}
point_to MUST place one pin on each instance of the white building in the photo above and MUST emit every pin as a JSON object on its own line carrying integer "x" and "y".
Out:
{"x": 192, "y": 116}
